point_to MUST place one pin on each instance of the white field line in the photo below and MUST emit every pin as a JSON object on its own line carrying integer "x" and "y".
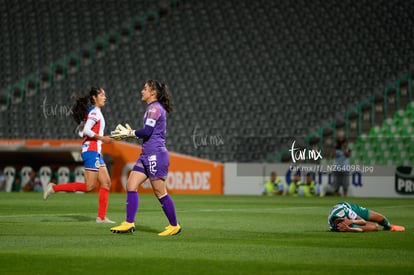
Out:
{"x": 201, "y": 210}
{"x": 143, "y": 211}
{"x": 40, "y": 215}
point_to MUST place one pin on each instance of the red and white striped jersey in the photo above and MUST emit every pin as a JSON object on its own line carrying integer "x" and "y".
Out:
{"x": 94, "y": 125}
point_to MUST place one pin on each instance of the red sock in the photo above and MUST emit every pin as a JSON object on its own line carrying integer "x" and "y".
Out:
{"x": 103, "y": 202}
{"x": 70, "y": 187}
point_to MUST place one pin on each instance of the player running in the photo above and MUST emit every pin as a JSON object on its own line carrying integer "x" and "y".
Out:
{"x": 348, "y": 217}
{"x": 154, "y": 160}
{"x": 87, "y": 113}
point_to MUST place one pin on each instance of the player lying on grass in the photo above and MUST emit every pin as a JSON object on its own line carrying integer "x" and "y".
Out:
{"x": 348, "y": 217}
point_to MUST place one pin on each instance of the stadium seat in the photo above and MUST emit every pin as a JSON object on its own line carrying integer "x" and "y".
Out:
{"x": 31, "y": 86}
{"x": 63, "y": 175}
{"x": 16, "y": 94}
{"x": 45, "y": 174}
{"x": 4, "y": 100}
{"x": 24, "y": 176}
{"x": 9, "y": 173}
{"x": 79, "y": 174}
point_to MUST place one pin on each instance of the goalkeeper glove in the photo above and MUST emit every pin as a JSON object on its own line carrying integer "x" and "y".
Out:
{"x": 122, "y": 132}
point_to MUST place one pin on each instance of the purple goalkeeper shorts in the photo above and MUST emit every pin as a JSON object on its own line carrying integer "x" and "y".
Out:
{"x": 154, "y": 166}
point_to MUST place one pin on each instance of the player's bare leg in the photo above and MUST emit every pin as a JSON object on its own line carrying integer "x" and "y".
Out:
{"x": 382, "y": 220}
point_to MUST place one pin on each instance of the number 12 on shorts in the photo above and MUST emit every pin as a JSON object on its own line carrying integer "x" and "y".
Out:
{"x": 152, "y": 164}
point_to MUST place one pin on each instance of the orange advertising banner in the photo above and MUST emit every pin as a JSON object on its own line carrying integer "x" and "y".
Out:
{"x": 187, "y": 175}
{"x": 39, "y": 143}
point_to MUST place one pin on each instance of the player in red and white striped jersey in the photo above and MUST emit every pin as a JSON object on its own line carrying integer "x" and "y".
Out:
{"x": 87, "y": 112}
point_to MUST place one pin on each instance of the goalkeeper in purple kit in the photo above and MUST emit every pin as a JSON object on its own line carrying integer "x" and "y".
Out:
{"x": 154, "y": 160}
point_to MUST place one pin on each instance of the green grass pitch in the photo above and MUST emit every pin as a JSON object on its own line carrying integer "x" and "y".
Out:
{"x": 221, "y": 235}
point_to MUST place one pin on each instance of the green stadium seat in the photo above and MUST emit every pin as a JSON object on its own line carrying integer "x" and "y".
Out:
{"x": 407, "y": 121}
{"x": 379, "y": 160}
{"x": 356, "y": 147}
{"x": 410, "y": 107}
{"x": 398, "y": 115}
{"x": 387, "y": 122}
{"x": 389, "y": 161}
{"x": 399, "y": 145}
{"x": 386, "y": 131}
{"x": 407, "y": 132}
{"x": 370, "y": 154}
{"x": 410, "y": 157}
{"x": 366, "y": 146}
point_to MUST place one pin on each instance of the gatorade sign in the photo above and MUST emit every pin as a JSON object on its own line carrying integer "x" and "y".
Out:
{"x": 186, "y": 175}
{"x": 404, "y": 180}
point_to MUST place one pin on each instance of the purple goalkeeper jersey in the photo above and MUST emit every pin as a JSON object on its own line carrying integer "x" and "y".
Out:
{"x": 155, "y": 116}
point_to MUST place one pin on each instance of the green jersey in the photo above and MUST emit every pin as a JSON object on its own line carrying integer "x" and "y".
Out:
{"x": 341, "y": 210}
{"x": 351, "y": 211}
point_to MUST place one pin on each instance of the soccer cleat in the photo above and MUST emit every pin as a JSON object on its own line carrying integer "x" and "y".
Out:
{"x": 397, "y": 228}
{"x": 105, "y": 220}
{"x": 171, "y": 230}
{"x": 48, "y": 191}
{"x": 125, "y": 227}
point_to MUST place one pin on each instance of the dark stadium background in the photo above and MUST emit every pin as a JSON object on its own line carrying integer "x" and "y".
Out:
{"x": 247, "y": 76}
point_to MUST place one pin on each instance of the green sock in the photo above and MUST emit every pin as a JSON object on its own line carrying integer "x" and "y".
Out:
{"x": 386, "y": 224}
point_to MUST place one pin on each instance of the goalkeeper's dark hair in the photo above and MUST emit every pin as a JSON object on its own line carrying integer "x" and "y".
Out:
{"x": 81, "y": 107}
{"x": 163, "y": 94}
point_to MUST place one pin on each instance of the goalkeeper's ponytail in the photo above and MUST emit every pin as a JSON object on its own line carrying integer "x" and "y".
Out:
{"x": 163, "y": 94}
{"x": 81, "y": 107}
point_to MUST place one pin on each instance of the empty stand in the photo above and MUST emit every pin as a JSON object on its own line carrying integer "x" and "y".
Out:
{"x": 388, "y": 144}
{"x": 272, "y": 71}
